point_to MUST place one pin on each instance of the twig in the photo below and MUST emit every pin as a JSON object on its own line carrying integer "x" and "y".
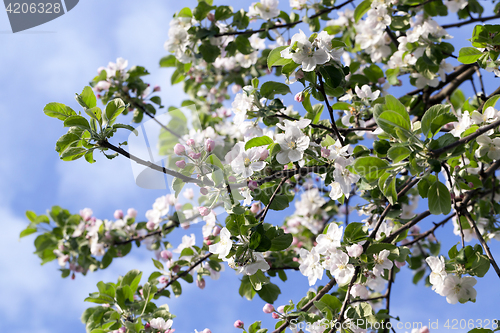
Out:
{"x": 430, "y": 231}
{"x": 287, "y": 25}
{"x": 388, "y": 298}
{"x": 447, "y": 170}
{"x": 330, "y": 110}
{"x": 181, "y": 274}
{"x": 406, "y": 226}
{"x": 479, "y": 19}
{"x": 486, "y": 249}
{"x": 266, "y": 209}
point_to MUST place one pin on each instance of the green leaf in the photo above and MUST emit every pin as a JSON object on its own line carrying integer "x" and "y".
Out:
{"x": 271, "y": 88}
{"x": 130, "y": 128}
{"x": 87, "y": 98}
{"x": 243, "y": 45}
{"x": 392, "y": 103}
{"x": 158, "y": 264}
{"x": 354, "y": 231}
{"x": 132, "y": 279}
{"x": 274, "y": 58}
{"x": 434, "y": 118}
{"x": 370, "y": 167}
{"x": 492, "y": 101}
{"x": 281, "y": 242}
{"x": 469, "y": 55}
{"x": 209, "y": 52}
{"x": 223, "y": 13}
{"x": 269, "y": 292}
{"x": 258, "y": 280}
{"x": 168, "y": 61}
{"x": 392, "y": 123}
{"x": 185, "y": 12}
{"x": 77, "y": 121}
{"x": 201, "y": 11}
{"x": 113, "y": 110}
{"x": 58, "y": 110}
{"x": 257, "y": 142}
{"x": 397, "y": 154}
{"x": 387, "y": 184}
{"x": 439, "y": 199}
{"x": 361, "y": 9}
{"x": 26, "y": 232}
{"x": 176, "y": 288}
{"x": 66, "y": 141}
{"x": 73, "y": 153}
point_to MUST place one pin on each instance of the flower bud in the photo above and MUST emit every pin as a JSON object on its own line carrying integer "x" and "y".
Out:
{"x": 204, "y": 211}
{"x": 181, "y": 164}
{"x": 299, "y": 97}
{"x": 156, "y": 89}
{"x": 471, "y": 184}
{"x": 118, "y": 214}
{"x": 166, "y": 255}
{"x": 325, "y": 152}
{"x": 354, "y": 250}
{"x": 131, "y": 212}
{"x": 252, "y": 185}
{"x": 200, "y": 283}
{"x": 211, "y": 17}
{"x": 185, "y": 225}
{"x": 198, "y": 79}
{"x": 299, "y": 74}
{"x": 203, "y": 191}
{"x": 190, "y": 142}
{"x": 147, "y": 326}
{"x": 399, "y": 264}
{"x": 206, "y": 330}
{"x": 176, "y": 269}
{"x": 275, "y": 315}
{"x": 281, "y": 309}
{"x": 238, "y": 324}
{"x": 151, "y": 225}
{"x": 264, "y": 154}
{"x": 424, "y": 329}
{"x": 209, "y": 145}
{"x": 216, "y": 231}
{"x": 255, "y": 208}
{"x": 179, "y": 149}
{"x": 231, "y": 179}
{"x": 194, "y": 155}
{"x": 163, "y": 279}
{"x": 268, "y": 308}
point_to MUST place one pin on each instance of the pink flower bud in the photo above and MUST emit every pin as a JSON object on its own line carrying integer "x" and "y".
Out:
{"x": 147, "y": 326}
{"x": 325, "y": 152}
{"x": 238, "y": 324}
{"x": 424, "y": 329}
{"x": 209, "y": 145}
{"x": 198, "y": 79}
{"x": 354, "y": 250}
{"x": 73, "y": 276}
{"x": 200, "y": 283}
{"x": 176, "y": 269}
{"x": 299, "y": 97}
{"x": 231, "y": 179}
{"x": 255, "y": 208}
{"x": 179, "y": 149}
{"x": 299, "y": 74}
{"x": 216, "y": 231}
{"x": 118, "y": 214}
{"x": 151, "y": 225}
{"x": 156, "y": 89}
{"x": 181, "y": 164}
{"x": 452, "y": 195}
{"x": 300, "y": 244}
{"x": 295, "y": 241}
{"x": 252, "y": 185}
{"x": 190, "y": 142}
{"x": 399, "y": 264}
{"x": 471, "y": 184}
{"x": 381, "y": 80}
{"x": 185, "y": 225}
{"x": 208, "y": 241}
{"x": 275, "y": 315}
{"x": 206, "y": 330}
{"x": 211, "y": 17}
{"x": 204, "y": 211}
{"x": 166, "y": 255}
{"x": 122, "y": 330}
{"x": 163, "y": 279}
{"x": 281, "y": 309}
{"x": 203, "y": 191}
{"x": 268, "y": 308}
{"x": 264, "y": 154}
{"x": 132, "y": 212}
{"x": 194, "y": 155}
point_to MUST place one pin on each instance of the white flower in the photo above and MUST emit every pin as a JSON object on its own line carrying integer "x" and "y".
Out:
{"x": 242, "y": 103}
{"x": 337, "y": 150}
{"x": 355, "y": 250}
{"x": 458, "y": 289}
{"x": 340, "y": 268}
{"x": 324, "y": 41}
{"x": 438, "y": 273}
{"x": 247, "y": 162}
{"x": 382, "y": 262}
{"x": 297, "y": 4}
{"x": 302, "y": 51}
{"x": 223, "y": 246}
{"x": 160, "y": 323}
{"x": 462, "y": 125}
{"x": 336, "y": 191}
{"x": 378, "y": 18}
{"x": 266, "y": 9}
{"x": 330, "y": 241}
{"x": 359, "y": 290}
{"x": 488, "y": 146}
{"x": 343, "y": 176}
{"x": 376, "y": 283}
{"x": 310, "y": 265}
{"x": 293, "y": 143}
{"x": 488, "y": 115}
{"x": 366, "y": 92}
{"x": 97, "y": 249}
{"x": 247, "y": 60}
{"x": 455, "y": 5}
{"x": 422, "y": 81}
{"x": 187, "y": 242}
{"x": 385, "y": 228}
{"x": 258, "y": 262}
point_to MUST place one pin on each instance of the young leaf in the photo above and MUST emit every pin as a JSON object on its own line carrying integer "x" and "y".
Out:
{"x": 469, "y": 55}
{"x": 439, "y": 199}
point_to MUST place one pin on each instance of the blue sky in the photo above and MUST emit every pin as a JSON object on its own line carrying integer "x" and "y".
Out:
{"x": 49, "y": 64}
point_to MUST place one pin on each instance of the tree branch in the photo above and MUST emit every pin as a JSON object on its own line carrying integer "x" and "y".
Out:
{"x": 330, "y": 110}
{"x": 479, "y": 19}
{"x": 181, "y": 274}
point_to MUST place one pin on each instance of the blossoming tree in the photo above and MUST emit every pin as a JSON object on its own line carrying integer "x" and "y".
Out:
{"x": 256, "y": 150}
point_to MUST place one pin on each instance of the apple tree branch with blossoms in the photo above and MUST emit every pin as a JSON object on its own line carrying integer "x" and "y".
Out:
{"x": 346, "y": 143}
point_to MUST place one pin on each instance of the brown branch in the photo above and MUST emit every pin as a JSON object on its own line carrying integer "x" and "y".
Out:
{"x": 106, "y": 144}
{"x": 473, "y": 225}
{"x": 183, "y": 273}
{"x": 330, "y": 110}
{"x": 266, "y": 209}
{"x": 406, "y": 226}
{"x": 479, "y": 19}
{"x": 435, "y": 153}
{"x": 454, "y": 201}
{"x": 430, "y": 231}
{"x": 287, "y": 25}
{"x": 309, "y": 304}
{"x": 388, "y": 298}
{"x": 452, "y": 84}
